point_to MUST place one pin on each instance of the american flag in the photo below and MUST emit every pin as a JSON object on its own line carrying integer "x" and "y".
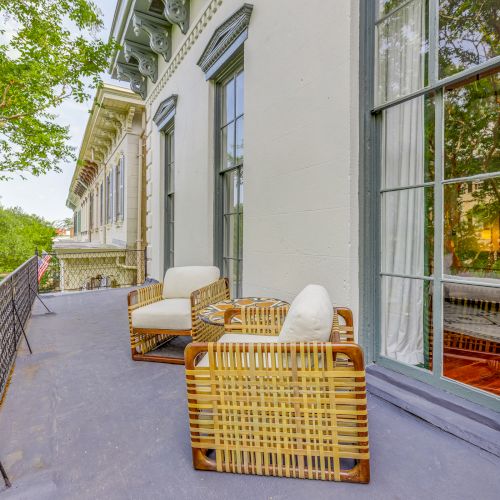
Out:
{"x": 43, "y": 264}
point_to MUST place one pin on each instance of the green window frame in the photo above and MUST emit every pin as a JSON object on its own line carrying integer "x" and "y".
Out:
{"x": 229, "y": 159}
{"x": 436, "y": 85}
{"x": 169, "y": 138}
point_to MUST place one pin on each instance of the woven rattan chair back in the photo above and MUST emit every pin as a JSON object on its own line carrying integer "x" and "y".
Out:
{"x": 288, "y": 410}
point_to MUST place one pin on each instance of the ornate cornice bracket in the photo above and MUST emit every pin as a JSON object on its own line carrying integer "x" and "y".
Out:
{"x": 137, "y": 81}
{"x": 165, "y": 111}
{"x": 177, "y": 12}
{"x": 158, "y": 31}
{"x": 230, "y": 35}
{"x": 148, "y": 65}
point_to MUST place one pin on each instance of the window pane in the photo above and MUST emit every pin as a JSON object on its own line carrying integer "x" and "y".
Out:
{"x": 401, "y": 52}
{"x": 239, "y": 141}
{"x": 387, "y": 6}
{"x": 468, "y": 34}
{"x": 230, "y": 235}
{"x": 227, "y": 144}
{"x": 408, "y": 143}
{"x": 406, "y": 320}
{"x": 239, "y": 94}
{"x": 472, "y": 130}
{"x": 170, "y": 178}
{"x": 471, "y": 338}
{"x": 230, "y": 192}
{"x": 228, "y": 102}
{"x": 408, "y": 232}
{"x": 472, "y": 229}
{"x": 240, "y": 235}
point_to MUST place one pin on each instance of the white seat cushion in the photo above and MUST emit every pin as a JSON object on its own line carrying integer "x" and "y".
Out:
{"x": 309, "y": 318}
{"x": 241, "y": 338}
{"x": 167, "y": 314}
{"x": 181, "y": 282}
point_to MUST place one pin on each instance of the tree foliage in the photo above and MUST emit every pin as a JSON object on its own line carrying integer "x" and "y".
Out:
{"x": 20, "y": 235}
{"x": 49, "y": 52}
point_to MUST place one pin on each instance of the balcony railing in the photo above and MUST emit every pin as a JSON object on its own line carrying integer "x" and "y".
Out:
{"x": 17, "y": 292}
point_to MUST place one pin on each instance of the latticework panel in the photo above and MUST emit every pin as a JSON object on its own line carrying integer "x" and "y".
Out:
{"x": 280, "y": 410}
{"x": 17, "y": 293}
{"x": 93, "y": 269}
{"x": 215, "y": 292}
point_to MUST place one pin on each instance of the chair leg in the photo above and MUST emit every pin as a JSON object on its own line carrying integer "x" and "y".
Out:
{"x": 5, "y": 477}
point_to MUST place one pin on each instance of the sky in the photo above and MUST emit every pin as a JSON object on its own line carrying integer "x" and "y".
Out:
{"x": 46, "y": 195}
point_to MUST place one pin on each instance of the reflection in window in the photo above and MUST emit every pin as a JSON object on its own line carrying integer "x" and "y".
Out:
{"x": 469, "y": 34}
{"x": 472, "y": 128}
{"x": 471, "y": 337}
{"x": 472, "y": 230}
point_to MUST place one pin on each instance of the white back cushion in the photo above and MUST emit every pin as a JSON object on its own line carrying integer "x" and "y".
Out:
{"x": 180, "y": 282}
{"x": 309, "y": 318}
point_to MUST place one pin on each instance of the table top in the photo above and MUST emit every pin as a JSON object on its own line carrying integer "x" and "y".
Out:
{"x": 214, "y": 313}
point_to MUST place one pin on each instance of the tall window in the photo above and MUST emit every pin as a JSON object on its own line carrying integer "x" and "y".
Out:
{"x": 120, "y": 189}
{"x": 91, "y": 211}
{"x": 229, "y": 177}
{"x": 439, "y": 181}
{"x": 169, "y": 196}
{"x": 109, "y": 197}
{"x": 101, "y": 204}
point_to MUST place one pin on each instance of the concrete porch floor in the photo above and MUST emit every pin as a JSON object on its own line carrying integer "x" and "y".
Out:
{"x": 83, "y": 421}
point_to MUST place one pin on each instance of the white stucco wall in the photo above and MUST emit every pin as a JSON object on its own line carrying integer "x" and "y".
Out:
{"x": 301, "y": 143}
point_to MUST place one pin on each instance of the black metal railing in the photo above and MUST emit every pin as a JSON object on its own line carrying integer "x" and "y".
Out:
{"x": 92, "y": 269}
{"x": 18, "y": 291}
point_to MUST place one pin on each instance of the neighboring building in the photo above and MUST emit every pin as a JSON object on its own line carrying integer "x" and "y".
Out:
{"x": 294, "y": 142}
{"x": 106, "y": 195}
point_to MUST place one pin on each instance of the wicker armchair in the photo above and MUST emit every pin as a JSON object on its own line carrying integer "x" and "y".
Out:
{"x": 144, "y": 340}
{"x": 279, "y": 409}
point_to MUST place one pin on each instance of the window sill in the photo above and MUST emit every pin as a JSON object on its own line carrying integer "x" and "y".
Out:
{"x": 468, "y": 421}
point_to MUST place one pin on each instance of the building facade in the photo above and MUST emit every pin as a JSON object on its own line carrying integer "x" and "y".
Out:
{"x": 107, "y": 196}
{"x": 324, "y": 143}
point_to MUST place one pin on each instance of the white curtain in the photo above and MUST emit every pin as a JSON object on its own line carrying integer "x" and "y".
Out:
{"x": 401, "y": 69}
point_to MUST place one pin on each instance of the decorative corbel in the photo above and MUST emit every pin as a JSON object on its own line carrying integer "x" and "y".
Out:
{"x": 130, "y": 118}
{"x": 158, "y": 31}
{"x": 177, "y": 12}
{"x": 115, "y": 120}
{"x": 148, "y": 65}
{"x": 137, "y": 81}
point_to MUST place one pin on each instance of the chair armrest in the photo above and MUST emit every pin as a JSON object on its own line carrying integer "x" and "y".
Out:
{"x": 349, "y": 349}
{"x": 145, "y": 295}
{"x": 210, "y": 294}
{"x": 342, "y": 333}
{"x": 345, "y": 313}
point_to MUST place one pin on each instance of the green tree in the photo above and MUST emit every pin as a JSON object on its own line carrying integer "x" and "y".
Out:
{"x": 20, "y": 234}
{"x": 49, "y": 52}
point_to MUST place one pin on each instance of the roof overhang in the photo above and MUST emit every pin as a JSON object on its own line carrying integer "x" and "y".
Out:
{"x": 111, "y": 115}
{"x": 143, "y": 29}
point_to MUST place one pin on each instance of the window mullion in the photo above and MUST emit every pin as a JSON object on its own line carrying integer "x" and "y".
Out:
{"x": 437, "y": 306}
{"x": 433, "y": 69}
